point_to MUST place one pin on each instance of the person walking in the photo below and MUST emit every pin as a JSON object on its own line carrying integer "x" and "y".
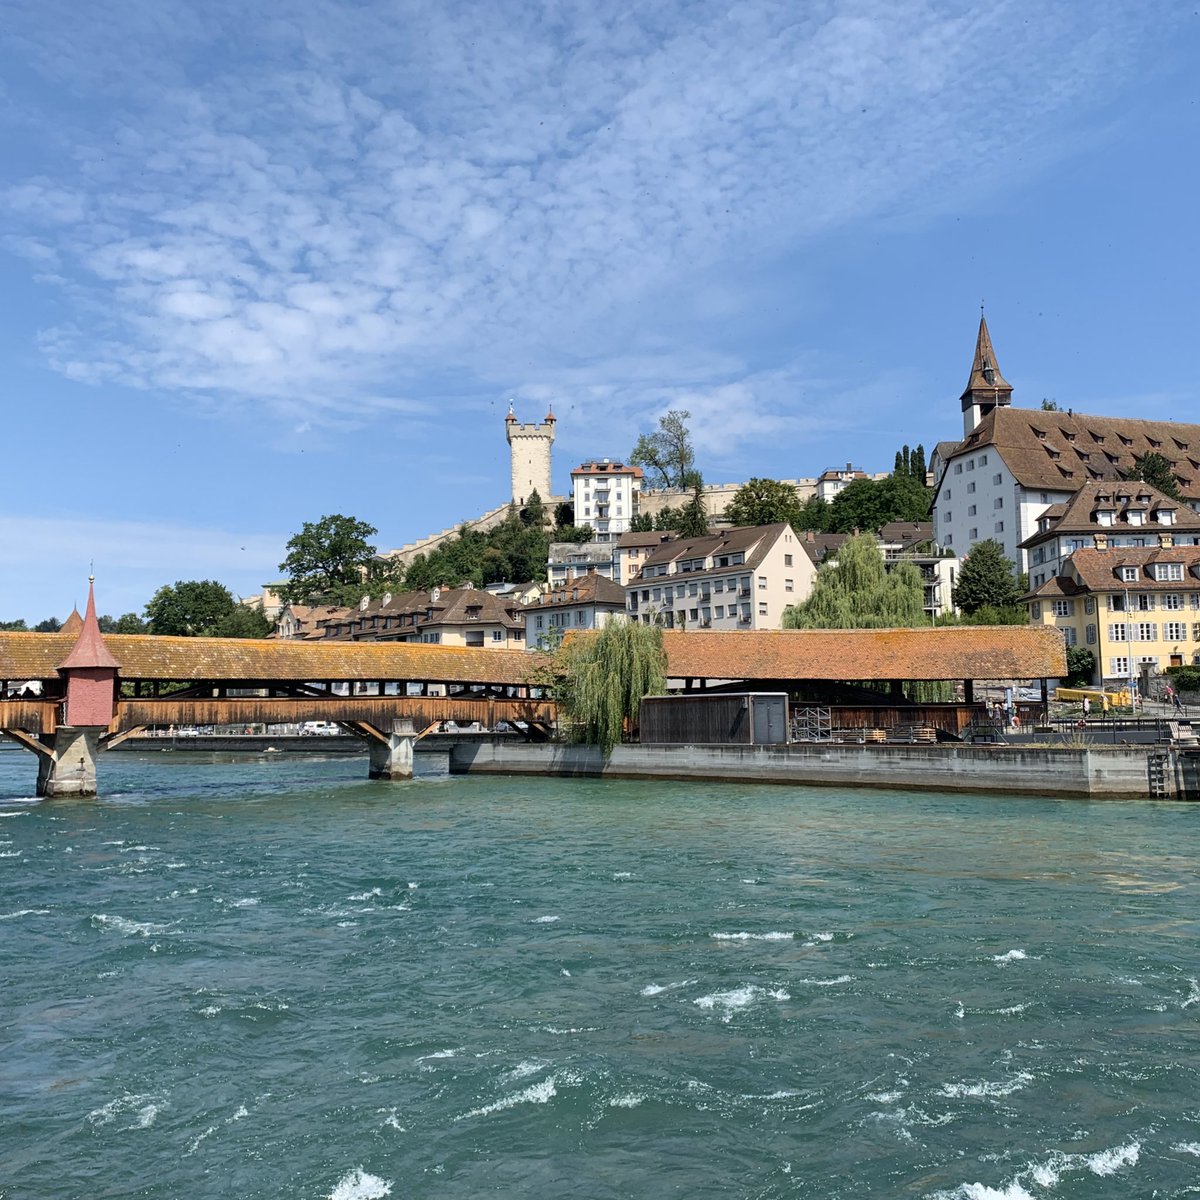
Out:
{"x": 1175, "y": 701}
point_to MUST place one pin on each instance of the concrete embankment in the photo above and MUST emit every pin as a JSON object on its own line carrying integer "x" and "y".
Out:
{"x": 1095, "y": 772}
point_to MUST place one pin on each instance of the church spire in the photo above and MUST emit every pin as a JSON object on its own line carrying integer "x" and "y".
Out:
{"x": 987, "y": 388}
{"x": 89, "y": 650}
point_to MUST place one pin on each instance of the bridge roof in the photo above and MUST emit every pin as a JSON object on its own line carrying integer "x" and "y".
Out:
{"x": 183, "y": 659}
{"x": 952, "y": 652}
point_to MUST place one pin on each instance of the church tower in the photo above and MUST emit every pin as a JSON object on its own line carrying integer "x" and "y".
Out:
{"x": 986, "y": 388}
{"x": 530, "y": 453}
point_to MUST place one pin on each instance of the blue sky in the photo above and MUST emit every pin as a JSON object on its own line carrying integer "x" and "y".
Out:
{"x": 260, "y": 262}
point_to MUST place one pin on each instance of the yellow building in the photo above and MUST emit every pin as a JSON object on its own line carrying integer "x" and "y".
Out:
{"x": 1130, "y": 606}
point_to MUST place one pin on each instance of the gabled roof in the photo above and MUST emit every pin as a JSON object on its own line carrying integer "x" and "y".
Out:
{"x": 1078, "y": 514}
{"x": 951, "y": 652}
{"x": 752, "y": 540}
{"x": 586, "y": 589}
{"x": 183, "y": 659}
{"x": 1101, "y": 570}
{"x": 1061, "y": 451}
{"x": 819, "y": 546}
{"x": 906, "y": 533}
{"x": 648, "y": 538}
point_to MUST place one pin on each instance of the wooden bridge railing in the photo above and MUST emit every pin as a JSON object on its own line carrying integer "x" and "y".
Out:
{"x": 29, "y": 716}
{"x": 287, "y": 710}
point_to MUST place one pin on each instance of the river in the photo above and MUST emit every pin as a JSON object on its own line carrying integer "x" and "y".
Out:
{"x": 275, "y": 978}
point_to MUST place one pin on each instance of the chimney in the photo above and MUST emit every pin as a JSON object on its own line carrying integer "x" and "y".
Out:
{"x": 809, "y": 536}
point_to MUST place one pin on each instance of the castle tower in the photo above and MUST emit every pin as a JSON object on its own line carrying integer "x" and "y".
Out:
{"x": 987, "y": 388}
{"x": 530, "y": 452}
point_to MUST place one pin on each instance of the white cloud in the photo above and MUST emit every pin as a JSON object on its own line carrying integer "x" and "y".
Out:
{"x": 311, "y": 203}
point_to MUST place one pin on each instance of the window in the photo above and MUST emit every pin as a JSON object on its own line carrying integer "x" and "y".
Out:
{"x": 999, "y": 502}
{"x": 1118, "y": 666}
{"x": 948, "y": 517}
{"x": 762, "y": 608}
{"x": 970, "y": 510}
{"x": 1143, "y": 603}
{"x": 1064, "y": 608}
{"x": 498, "y": 634}
{"x": 719, "y": 585}
{"x": 787, "y": 586}
{"x": 581, "y": 617}
{"x": 983, "y": 460}
{"x": 1147, "y": 631}
{"x": 1172, "y": 601}
{"x": 948, "y": 540}
{"x": 762, "y": 582}
{"x": 719, "y": 612}
{"x": 1166, "y": 516}
{"x": 1175, "y": 631}
{"x": 999, "y": 528}
{"x": 1069, "y": 635}
{"x": 1193, "y": 600}
{"x": 970, "y": 489}
{"x": 1035, "y": 610}
{"x": 787, "y": 560}
{"x": 1118, "y": 632}
{"x": 997, "y": 479}
{"x": 1168, "y": 571}
{"x": 973, "y": 534}
{"x": 947, "y": 493}
{"x": 1091, "y": 635}
{"x": 1089, "y": 605}
{"x": 970, "y": 464}
{"x": 538, "y": 621}
{"x": 1116, "y": 603}
{"x": 958, "y": 468}
{"x": 1129, "y": 574}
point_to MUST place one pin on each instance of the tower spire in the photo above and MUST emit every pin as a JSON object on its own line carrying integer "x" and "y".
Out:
{"x": 986, "y": 389}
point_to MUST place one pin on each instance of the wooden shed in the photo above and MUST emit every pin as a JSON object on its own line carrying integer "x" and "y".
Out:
{"x": 715, "y": 719}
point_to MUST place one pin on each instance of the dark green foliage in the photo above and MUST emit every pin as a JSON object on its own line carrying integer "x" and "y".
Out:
{"x": 1183, "y": 679}
{"x": 574, "y": 533}
{"x": 534, "y": 513}
{"x": 642, "y": 523}
{"x": 327, "y": 561}
{"x": 1154, "y": 469}
{"x": 1081, "y": 666}
{"x": 814, "y": 515}
{"x": 666, "y": 455}
{"x": 693, "y": 516}
{"x": 601, "y": 679}
{"x": 866, "y": 504}
{"x": 764, "y": 502}
{"x": 49, "y": 625}
{"x": 1050, "y": 406}
{"x": 17, "y": 626}
{"x": 564, "y": 515}
{"x": 988, "y": 614}
{"x": 243, "y": 622}
{"x": 986, "y": 579}
{"x": 126, "y": 623}
{"x": 192, "y": 608}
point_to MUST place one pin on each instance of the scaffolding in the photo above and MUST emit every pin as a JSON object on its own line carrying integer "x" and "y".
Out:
{"x": 812, "y": 724}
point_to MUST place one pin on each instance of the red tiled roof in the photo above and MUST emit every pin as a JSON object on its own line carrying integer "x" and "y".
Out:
{"x": 1100, "y": 570}
{"x": 1078, "y": 514}
{"x": 951, "y": 652}
{"x": 586, "y": 589}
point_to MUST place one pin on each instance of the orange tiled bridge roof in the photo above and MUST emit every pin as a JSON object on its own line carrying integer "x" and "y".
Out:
{"x": 954, "y": 652}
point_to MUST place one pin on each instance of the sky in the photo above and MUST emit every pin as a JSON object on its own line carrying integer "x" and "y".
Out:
{"x": 265, "y": 261}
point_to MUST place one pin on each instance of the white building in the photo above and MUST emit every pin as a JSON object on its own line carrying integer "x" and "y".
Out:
{"x": 590, "y": 602}
{"x": 737, "y": 579}
{"x": 606, "y": 496}
{"x": 1014, "y": 463}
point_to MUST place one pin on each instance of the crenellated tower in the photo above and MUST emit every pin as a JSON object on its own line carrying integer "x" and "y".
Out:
{"x": 530, "y": 453}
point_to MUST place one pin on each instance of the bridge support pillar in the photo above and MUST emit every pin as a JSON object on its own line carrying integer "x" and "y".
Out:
{"x": 393, "y": 759}
{"x": 69, "y": 769}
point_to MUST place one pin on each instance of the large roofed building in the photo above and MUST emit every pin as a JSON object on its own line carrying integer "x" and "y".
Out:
{"x": 1014, "y": 463}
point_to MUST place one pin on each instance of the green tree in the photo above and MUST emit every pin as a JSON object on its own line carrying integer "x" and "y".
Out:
{"x": 1154, "y": 469}
{"x": 642, "y": 523}
{"x": 1081, "y": 666}
{"x": 693, "y": 516}
{"x": 764, "y": 502}
{"x": 986, "y": 578}
{"x": 17, "y": 626}
{"x": 327, "y": 561}
{"x": 243, "y": 622}
{"x": 870, "y": 503}
{"x": 534, "y": 513}
{"x": 126, "y": 623}
{"x": 601, "y": 679}
{"x": 1050, "y": 406}
{"x": 49, "y": 625}
{"x": 918, "y": 468}
{"x": 574, "y": 533}
{"x": 194, "y": 608}
{"x": 666, "y": 454}
{"x": 564, "y": 514}
{"x": 858, "y": 592}
{"x": 814, "y": 515}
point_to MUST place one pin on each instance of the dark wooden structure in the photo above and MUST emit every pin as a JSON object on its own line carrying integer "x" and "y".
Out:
{"x": 716, "y": 719}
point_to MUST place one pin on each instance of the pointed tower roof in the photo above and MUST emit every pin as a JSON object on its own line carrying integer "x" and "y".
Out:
{"x": 550, "y": 417}
{"x": 73, "y": 624}
{"x": 985, "y": 371}
{"x": 90, "y": 650}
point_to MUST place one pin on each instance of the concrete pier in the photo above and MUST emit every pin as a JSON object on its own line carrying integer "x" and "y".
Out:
{"x": 70, "y": 767}
{"x": 393, "y": 759}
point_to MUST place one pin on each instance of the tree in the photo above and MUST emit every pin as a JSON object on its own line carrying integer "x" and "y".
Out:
{"x": 1051, "y": 406}
{"x": 667, "y": 453}
{"x": 693, "y": 516}
{"x": 49, "y": 625}
{"x": 870, "y": 503}
{"x": 126, "y": 623}
{"x": 193, "y": 608}
{"x": 244, "y": 622}
{"x": 17, "y": 626}
{"x": 601, "y": 679}
{"x": 574, "y": 533}
{"x": 764, "y": 502}
{"x": 534, "y": 513}
{"x": 642, "y": 523}
{"x": 986, "y": 578}
{"x": 814, "y": 515}
{"x": 1154, "y": 469}
{"x": 327, "y": 561}
{"x": 564, "y": 514}
{"x": 1081, "y": 666}
{"x": 858, "y": 592}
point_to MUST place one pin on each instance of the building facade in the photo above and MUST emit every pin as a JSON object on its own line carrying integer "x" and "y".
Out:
{"x": 587, "y": 603}
{"x": 739, "y": 578}
{"x": 462, "y": 616}
{"x": 606, "y": 496}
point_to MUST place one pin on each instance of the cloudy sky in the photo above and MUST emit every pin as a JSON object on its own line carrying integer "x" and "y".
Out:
{"x": 267, "y": 261}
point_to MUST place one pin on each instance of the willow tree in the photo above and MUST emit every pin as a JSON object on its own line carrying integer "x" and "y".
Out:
{"x": 602, "y": 677}
{"x": 858, "y": 592}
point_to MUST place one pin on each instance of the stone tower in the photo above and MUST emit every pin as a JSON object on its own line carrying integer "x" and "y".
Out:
{"x": 530, "y": 452}
{"x": 987, "y": 388}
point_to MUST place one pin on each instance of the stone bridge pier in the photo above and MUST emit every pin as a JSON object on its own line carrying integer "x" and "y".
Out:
{"x": 68, "y": 766}
{"x": 393, "y": 758}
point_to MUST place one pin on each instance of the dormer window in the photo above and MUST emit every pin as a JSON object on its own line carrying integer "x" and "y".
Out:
{"x": 1068, "y": 435}
{"x": 1105, "y": 516}
{"x": 1154, "y": 442}
{"x": 1165, "y": 516}
{"x": 1165, "y": 572}
{"x": 1124, "y": 440}
{"x": 1129, "y": 574}
{"x": 1135, "y": 516}
{"x": 1098, "y": 438}
{"x": 1040, "y": 434}
{"x": 1181, "y": 445}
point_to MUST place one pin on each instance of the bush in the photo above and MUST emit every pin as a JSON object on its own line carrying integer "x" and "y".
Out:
{"x": 1185, "y": 679}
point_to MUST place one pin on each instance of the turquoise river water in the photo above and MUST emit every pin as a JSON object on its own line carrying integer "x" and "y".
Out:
{"x": 276, "y": 979}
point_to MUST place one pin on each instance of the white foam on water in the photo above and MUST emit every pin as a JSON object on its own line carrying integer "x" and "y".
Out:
{"x": 1010, "y": 956}
{"x": 774, "y": 936}
{"x": 654, "y": 989}
{"x": 959, "y": 1011}
{"x": 366, "y": 895}
{"x": 440, "y": 1054}
{"x": 565, "y": 972}
{"x": 980, "y": 1191}
{"x": 730, "y": 1002}
{"x": 524, "y": 1069}
{"x": 10, "y": 853}
{"x": 146, "y": 1108}
{"x": 24, "y": 912}
{"x": 539, "y": 1093}
{"x": 1187, "y": 1148}
{"x": 1011, "y": 1011}
{"x": 622, "y": 874}
{"x": 413, "y": 886}
{"x": 242, "y": 1113}
{"x": 198, "y": 1139}
{"x": 544, "y": 920}
{"x": 822, "y": 937}
{"x": 828, "y": 982}
{"x": 751, "y": 881}
{"x": 359, "y": 1185}
{"x": 245, "y": 902}
{"x": 210, "y": 1010}
{"x": 1108, "y": 1162}
{"x": 121, "y": 925}
{"x": 1193, "y": 994}
{"x": 118, "y": 842}
{"x": 960, "y": 1091}
{"x": 632, "y": 1100}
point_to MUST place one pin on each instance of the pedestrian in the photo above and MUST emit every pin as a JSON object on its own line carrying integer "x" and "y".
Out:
{"x": 1087, "y": 707}
{"x": 1175, "y": 701}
